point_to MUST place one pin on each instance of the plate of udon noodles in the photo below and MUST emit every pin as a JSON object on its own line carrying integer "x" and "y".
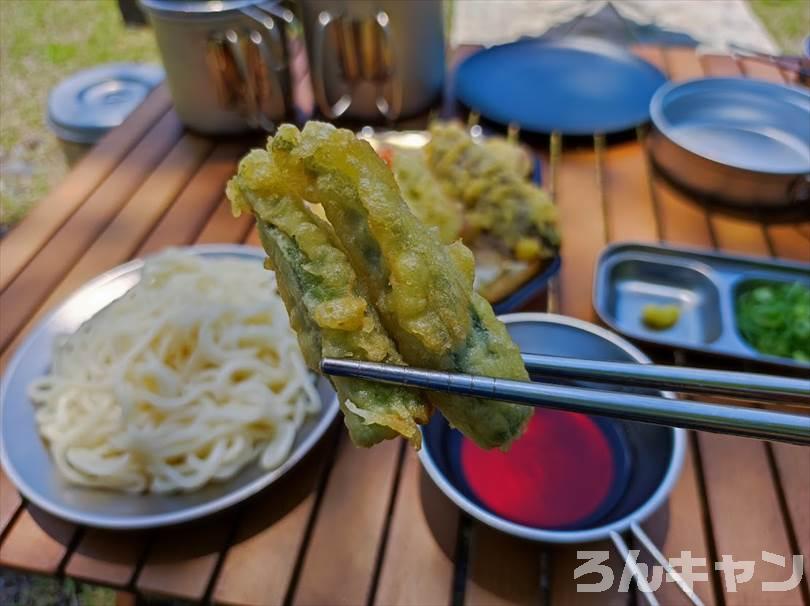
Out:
{"x": 164, "y": 390}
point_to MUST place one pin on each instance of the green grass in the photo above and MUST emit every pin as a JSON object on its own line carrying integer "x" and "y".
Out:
{"x": 31, "y": 590}
{"x": 788, "y": 21}
{"x": 42, "y": 42}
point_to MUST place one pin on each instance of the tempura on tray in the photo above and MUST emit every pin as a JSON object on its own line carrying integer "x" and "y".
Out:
{"x": 425, "y": 195}
{"x": 381, "y": 262}
{"x": 490, "y": 181}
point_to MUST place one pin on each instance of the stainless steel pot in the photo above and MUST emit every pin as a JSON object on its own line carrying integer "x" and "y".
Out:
{"x": 374, "y": 59}
{"x": 741, "y": 142}
{"x": 226, "y": 62}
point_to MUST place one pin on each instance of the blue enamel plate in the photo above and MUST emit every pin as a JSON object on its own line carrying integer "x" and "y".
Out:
{"x": 575, "y": 86}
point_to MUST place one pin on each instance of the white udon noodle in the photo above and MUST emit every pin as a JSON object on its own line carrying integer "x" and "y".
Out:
{"x": 188, "y": 377}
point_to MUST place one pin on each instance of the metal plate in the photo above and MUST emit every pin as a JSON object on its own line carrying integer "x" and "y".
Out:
{"x": 26, "y": 459}
{"x": 533, "y": 287}
{"x": 747, "y": 124}
{"x": 734, "y": 142}
{"x": 575, "y": 86}
{"x": 655, "y": 453}
{"x": 703, "y": 284}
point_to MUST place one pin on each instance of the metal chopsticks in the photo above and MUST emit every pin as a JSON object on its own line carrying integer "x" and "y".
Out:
{"x": 758, "y": 387}
{"x": 750, "y": 422}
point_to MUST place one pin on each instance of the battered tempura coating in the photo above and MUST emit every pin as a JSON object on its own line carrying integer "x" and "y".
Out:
{"x": 498, "y": 199}
{"x": 421, "y": 288}
{"x": 425, "y": 195}
{"x": 326, "y": 307}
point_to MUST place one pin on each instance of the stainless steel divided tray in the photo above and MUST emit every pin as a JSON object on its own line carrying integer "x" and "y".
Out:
{"x": 704, "y": 285}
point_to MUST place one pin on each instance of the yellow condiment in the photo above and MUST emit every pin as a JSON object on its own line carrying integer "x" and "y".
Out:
{"x": 660, "y": 317}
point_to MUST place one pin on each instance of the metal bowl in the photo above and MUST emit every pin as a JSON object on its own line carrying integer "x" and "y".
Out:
{"x": 27, "y": 461}
{"x": 654, "y": 454}
{"x": 737, "y": 141}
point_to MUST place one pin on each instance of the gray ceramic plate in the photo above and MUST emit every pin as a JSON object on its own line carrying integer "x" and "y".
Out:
{"x": 27, "y": 462}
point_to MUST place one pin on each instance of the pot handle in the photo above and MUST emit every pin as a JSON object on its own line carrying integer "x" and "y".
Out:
{"x": 330, "y": 110}
{"x": 630, "y": 561}
{"x": 247, "y": 73}
{"x": 265, "y": 63}
{"x": 389, "y": 108}
{"x": 248, "y": 96}
{"x": 225, "y": 72}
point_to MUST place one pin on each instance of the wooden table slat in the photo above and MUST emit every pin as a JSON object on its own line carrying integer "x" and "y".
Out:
{"x": 107, "y": 557}
{"x": 223, "y": 227}
{"x": 502, "y": 569}
{"x": 652, "y": 54}
{"x": 181, "y": 560}
{"x": 740, "y": 236}
{"x": 20, "y": 245}
{"x": 259, "y": 566}
{"x": 746, "y": 518}
{"x": 416, "y": 569}
{"x": 253, "y": 237}
{"x": 37, "y": 541}
{"x": 682, "y": 221}
{"x": 29, "y": 288}
{"x": 630, "y": 211}
{"x": 10, "y": 501}
{"x": 258, "y": 569}
{"x": 563, "y": 587}
{"x": 352, "y": 512}
{"x": 721, "y": 66}
{"x": 191, "y": 211}
{"x": 760, "y": 70}
{"x": 679, "y": 527}
{"x": 682, "y": 63}
{"x": 583, "y": 230}
{"x": 789, "y": 243}
{"x": 793, "y": 465}
{"x": 803, "y": 229}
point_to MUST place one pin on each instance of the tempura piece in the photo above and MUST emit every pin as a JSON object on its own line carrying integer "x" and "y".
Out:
{"x": 497, "y": 198}
{"x": 422, "y": 289}
{"x": 425, "y": 195}
{"x": 327, "y": 309}
{"x": 511, "y": 155}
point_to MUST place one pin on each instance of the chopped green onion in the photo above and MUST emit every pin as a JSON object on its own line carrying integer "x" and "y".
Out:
{"x": 774, "y": 317}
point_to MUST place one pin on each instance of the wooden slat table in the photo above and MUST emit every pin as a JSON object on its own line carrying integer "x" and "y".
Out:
{"x": 351, "y": 526}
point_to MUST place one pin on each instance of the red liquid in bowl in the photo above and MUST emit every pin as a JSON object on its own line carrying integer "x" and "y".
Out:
{"x": 559, "y": 473}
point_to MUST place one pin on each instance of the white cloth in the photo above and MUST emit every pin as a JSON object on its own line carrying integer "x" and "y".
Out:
{"x": 713, "y": 23}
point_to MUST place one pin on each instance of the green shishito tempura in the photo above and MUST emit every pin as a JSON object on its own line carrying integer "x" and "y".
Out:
{"x": 408, "y": 284}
